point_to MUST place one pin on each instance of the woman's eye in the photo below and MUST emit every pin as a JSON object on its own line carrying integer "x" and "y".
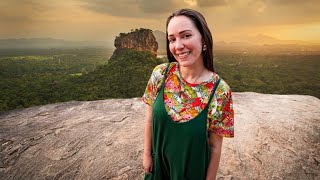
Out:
{"x": 186, "y": 35}
{"x": 171, "y": 40}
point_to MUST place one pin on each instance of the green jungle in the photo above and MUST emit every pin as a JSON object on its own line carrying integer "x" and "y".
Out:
{"x": 38, "y": 77}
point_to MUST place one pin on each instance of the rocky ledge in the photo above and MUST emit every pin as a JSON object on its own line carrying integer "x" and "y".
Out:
{"x": 276, "y": 137}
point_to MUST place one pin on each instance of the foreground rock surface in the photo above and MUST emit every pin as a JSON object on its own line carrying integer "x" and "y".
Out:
{"x": 276, "y": 137}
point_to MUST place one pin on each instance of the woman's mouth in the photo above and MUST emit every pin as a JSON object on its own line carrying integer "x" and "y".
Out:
{"x": 183, "y": 55}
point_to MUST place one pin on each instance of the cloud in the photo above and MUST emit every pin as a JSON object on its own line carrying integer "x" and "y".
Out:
{"x": 210, "y": 3}
{"x": 238, "y": 12}
{"x": 9, "y": 9}
{"x": 290, "y": 2}
{"x": 164, "y": 6}
{"x": 122, "y": 8}
{"x": 257, "y": 13}
{"x": 31, "y": 11}
{"x": 113, "y": 16}
{"x": 133, "y": 9}
{"x": 293, "y": 8}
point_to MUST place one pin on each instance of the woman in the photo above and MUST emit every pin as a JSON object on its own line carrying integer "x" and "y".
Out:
{"x": 189, "y": 106}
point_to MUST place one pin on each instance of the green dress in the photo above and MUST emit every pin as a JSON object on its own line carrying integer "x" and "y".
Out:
{"x": 180, "y": 151}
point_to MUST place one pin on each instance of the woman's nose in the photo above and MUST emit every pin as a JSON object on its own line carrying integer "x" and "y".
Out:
{"x": 179, "y": 44}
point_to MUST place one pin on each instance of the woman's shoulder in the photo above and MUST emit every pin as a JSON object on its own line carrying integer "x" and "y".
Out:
{"x": 223, "y": 88}
{"x": 160, "y": 69}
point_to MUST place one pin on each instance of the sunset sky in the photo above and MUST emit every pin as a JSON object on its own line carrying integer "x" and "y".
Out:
{"x": 229, "y": 20}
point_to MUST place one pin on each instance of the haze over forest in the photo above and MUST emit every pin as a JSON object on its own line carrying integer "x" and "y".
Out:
{"x": 256, "y": 45}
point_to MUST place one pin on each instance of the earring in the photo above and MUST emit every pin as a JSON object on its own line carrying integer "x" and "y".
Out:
{"x": 204, "y": 47}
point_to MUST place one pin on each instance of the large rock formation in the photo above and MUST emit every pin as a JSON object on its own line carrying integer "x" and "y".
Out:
{"x": 276, "y": 137}
{"x": 138, "y": 39}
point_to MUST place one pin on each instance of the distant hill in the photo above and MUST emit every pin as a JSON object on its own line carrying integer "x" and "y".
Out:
{"x": 259, "y": 44}
{"x": 262, "y": 39}
{"x": 161, "y": 39}
{"x": 46, "y": 43}
{"x": 251, "y": 48}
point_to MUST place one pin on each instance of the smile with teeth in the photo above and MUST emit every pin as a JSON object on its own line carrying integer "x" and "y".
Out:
{"x": 184, "y": 54}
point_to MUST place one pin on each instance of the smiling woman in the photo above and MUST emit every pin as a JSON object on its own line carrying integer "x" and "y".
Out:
{"x": 189, "y": 107}
{"x": 185, "y": 41}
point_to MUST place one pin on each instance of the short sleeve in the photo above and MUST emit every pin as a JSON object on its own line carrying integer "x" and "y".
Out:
{"x": 221, "y": 114}
{"x": 154, "y": 84}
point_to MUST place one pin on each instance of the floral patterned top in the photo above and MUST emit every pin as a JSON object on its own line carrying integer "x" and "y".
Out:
{"x": 184, "y": 101}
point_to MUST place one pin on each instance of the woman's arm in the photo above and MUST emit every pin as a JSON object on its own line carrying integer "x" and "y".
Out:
{"x": 147, "y": 159}
{"x": 215, "y": 143}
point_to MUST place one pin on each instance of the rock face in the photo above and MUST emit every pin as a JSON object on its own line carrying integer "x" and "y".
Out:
{"x": 276, "y": 137}
{"x": 139, "y": 39}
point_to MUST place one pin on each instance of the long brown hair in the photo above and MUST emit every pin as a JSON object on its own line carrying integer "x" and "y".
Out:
{"x": 201, "y": 24}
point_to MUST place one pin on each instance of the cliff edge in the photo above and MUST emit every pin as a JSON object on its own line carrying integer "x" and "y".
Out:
{"x": 276, "y": 137}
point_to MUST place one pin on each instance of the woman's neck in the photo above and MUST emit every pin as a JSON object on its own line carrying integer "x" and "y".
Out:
{"x": 193, "y": 74}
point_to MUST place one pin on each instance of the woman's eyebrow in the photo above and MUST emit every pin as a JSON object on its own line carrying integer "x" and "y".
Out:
{"x": 170, "y": 35}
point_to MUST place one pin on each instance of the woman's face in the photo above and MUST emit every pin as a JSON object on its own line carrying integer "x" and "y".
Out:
{"x": 185, "y": 41}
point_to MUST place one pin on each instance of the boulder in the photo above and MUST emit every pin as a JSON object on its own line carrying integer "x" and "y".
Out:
{"x": 276, "y": 137}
